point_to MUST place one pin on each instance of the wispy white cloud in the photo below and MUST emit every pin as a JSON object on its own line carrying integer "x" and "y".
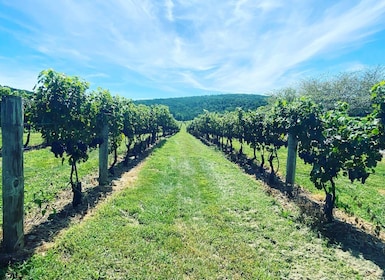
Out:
{"x": 226, "y": 46}
{"x": 169, "y": 7}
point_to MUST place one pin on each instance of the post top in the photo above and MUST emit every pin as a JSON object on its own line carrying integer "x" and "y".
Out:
{"x": 11, "y": 111}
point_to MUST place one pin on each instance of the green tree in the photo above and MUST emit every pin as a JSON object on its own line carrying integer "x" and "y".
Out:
{"x": 350, "y": 87}
{"x": 64, "y": 115}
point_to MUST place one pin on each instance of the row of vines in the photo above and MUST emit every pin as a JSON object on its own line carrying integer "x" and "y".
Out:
{"x": 331, "y": 141}
{"x": 72, "y": 121}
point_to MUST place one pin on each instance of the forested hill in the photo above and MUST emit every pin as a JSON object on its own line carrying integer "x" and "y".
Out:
{"x": 187, "y": 108}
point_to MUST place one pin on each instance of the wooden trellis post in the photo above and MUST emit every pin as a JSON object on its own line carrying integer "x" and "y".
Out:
{"x": 103, "y": 156}
{"x": 12, "y": 123}
{"x": 291, "y": 162}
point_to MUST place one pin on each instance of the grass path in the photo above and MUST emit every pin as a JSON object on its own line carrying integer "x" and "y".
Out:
{"x": 191, "y": 214}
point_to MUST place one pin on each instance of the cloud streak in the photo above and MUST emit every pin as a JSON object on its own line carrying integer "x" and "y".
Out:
{"x": 224, "y": 46}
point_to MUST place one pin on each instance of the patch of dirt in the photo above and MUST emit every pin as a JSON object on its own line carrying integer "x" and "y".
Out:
{"x": 93, "y": 195}
{"x": 318, "y": 197}
{"x": 91, "y": 202}
{"x": 381, "y": 192}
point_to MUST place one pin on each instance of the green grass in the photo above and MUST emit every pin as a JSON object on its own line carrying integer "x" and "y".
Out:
{"x": 363, "y": 200}
{"x": 35, "y": 139}
{"x": 191, "y": 214}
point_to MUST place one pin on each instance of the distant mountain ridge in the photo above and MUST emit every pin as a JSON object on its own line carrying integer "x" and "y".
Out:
{"x": 187, "y": 108}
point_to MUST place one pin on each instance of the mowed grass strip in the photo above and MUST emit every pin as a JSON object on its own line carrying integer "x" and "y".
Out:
{"x": 191, "y": 214}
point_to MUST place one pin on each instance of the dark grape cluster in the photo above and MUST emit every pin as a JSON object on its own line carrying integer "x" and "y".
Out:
{"x": 97, "y": 141}
{"x": 57, "y": 148}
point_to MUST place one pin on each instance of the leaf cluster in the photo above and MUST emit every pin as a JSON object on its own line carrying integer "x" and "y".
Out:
{"x": 63, "y": 113}
{"x": 346, "y": 144}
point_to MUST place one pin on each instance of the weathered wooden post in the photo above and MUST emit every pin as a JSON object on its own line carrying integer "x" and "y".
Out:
{"x": 291, "y": 162}
{"x": 103, "y": 156}
{"x": 13, "y": 173}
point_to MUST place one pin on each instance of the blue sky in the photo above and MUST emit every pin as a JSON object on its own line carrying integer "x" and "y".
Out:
{"x": 144, "y": 49}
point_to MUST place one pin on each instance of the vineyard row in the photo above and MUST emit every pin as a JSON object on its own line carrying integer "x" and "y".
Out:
{"x": 332, "y": 142}
{"x": 72, "y": 122}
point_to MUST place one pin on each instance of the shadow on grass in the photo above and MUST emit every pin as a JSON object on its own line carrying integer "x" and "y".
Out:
{"x": 347, "y": 236}
{"x": 47, "y": 230}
